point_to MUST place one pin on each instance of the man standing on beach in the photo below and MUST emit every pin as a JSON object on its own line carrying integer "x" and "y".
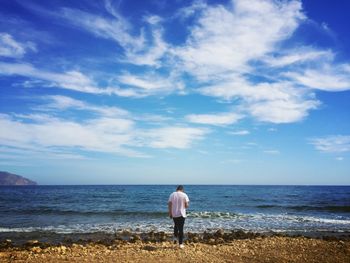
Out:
{"x": 177, "y": 204}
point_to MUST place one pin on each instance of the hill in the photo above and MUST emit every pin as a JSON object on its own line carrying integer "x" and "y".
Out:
{"x": 13, "y": 179}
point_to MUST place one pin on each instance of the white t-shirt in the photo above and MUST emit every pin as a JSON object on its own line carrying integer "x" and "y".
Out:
{"x": 178, "y": 200}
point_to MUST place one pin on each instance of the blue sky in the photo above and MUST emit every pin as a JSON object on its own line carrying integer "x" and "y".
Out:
{"x": 167, "y": 92}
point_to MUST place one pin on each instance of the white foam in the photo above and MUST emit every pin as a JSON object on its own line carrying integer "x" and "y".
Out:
{"x": 202, "y": 221}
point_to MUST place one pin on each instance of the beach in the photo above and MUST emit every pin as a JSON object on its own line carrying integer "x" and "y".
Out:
{"x": 258, "y": 249}
{"x": 130, "y": 224}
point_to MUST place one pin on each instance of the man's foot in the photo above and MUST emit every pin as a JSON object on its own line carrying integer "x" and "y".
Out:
{"x": 182, "y": 246}
{"x": 175, "y": 240}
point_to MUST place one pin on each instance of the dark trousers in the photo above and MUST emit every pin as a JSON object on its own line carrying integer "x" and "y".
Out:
{"x": 179, "y": 228}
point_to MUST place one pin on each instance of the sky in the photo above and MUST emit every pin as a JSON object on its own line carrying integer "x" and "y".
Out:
{"x": 170, "y": 92}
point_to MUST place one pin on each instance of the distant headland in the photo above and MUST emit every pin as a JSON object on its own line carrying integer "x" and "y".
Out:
{"x": 14, "y": 179}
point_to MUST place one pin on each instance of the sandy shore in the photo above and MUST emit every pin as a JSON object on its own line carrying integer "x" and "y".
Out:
{"x": 260, "y": 249}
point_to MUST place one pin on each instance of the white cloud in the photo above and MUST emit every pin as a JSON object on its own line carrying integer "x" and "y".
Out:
{"x": 339, "y": 158}
{"x": 221, "y": 119}
{"x": 147, "y": 82}
{"x": 19, "y": 154}
{"x": 226, "y": 44}
{"x": 228, "y": 50}
{"x": 140, "y": 86}
{"x": 150, "y": 83}
{"x": 151, "y": 54}
{"x": 280, "y": 111}
{"x": 104, "y": 134}
{"x": 327, "y": 78}
{"x": 295, "y": 56}
{"x": 9, "y": 47}
{"x": 72, "y": 80}
{"x": 227, "y": 39}
{"x": 173, "y": 137}
{"x": 59, "y": 102}
{"x": 332, "y": 143}
{"x": 138, "y": 49}
{"x": 115, "y": 27}
{"x": 269, "y": 102}
{"x": 188, "y": 11}
{"x": 62, "y": 103}
{"x": 241, "y": 132}
{"x": 112, "y": 130}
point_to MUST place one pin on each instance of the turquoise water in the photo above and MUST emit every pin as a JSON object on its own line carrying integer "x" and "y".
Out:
{"x": 89, "y": 209}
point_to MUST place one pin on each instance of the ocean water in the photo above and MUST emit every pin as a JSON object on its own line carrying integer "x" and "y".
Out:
{"x": 90, "y": 209}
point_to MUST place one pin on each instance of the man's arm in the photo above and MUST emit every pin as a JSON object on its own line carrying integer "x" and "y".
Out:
{"x": 187, "y": 204}
{"x": 187, "y": 201}
{"x": 170, "y": 206}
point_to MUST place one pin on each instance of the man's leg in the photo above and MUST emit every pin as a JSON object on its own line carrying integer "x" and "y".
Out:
{"x": 176, "y": 228}
{"x": 181, "y": 222}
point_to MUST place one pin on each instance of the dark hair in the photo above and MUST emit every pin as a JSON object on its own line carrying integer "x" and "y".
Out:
{"x": 180, "y": 188}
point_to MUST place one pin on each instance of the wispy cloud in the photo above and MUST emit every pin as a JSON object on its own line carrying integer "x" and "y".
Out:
{"x": 139, "y": 48}
{"x": 298, "y": 56}
{"x": 112, "y": 130}
{"x": 221, "y": 119}
{"x": 73, "y": 80}
{"x": 224, "y": 44}
{"x": 231, "y": 52}
{"x": 328, "y": 78}
{"x": 114, "y": 27}
{"x": 173, "y": 137}
{"x": 240, "y": 132}
{"x": 9, "y": 47}
{"x": 269, "y": 102}
{"x": 59, "y": 102}
{"x": 150, "y": 83}
{"x": 225, "y": 40}
{"x": 332, "y": 143}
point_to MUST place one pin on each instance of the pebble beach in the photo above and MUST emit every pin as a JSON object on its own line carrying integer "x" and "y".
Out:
{"x": 213, "y": 248}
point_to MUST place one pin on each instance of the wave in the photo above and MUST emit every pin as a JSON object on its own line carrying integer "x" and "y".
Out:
{"x": 201, "y": 221}
{"x": 119, "y": 212}
{"x": 206, "y": 214}
{"x": 345, "y": 208}
{"x": 303, "y": 219}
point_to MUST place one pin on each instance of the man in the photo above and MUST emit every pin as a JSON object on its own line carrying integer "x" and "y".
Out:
{"x": 177, "y": 204}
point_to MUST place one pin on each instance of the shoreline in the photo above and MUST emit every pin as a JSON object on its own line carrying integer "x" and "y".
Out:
{"x": 250, "y": 249}
{"x": 214, "y": 237}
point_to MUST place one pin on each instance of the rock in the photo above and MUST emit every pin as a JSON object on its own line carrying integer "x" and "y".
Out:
{"x": 219, "y": 233}
{"x": 63, "y": 248}
{"x": 36, "y": 249}
{"x": 135, "y": 238}
{"x": 211, "y": 241}
{"x": 195, "y": 239}
{"x": 206, "y": 235}
{"x": 220, "y": 240}
{"x": 32, "y": 243}
{"x": 149, "y": 248}
{"x": 7, "y": 243}
{"x": 162, "y": 236}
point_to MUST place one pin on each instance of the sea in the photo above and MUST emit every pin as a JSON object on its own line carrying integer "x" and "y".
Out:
{"x": 141, "y": 208}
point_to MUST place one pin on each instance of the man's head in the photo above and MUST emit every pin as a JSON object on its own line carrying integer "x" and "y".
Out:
{"x": 180, "y": 188}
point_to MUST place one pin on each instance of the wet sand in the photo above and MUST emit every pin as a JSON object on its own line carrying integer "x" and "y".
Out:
{"x": 259, "y": 249}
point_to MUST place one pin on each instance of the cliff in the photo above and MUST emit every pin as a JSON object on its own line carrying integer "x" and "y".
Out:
{"x": 13, "y": 179}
